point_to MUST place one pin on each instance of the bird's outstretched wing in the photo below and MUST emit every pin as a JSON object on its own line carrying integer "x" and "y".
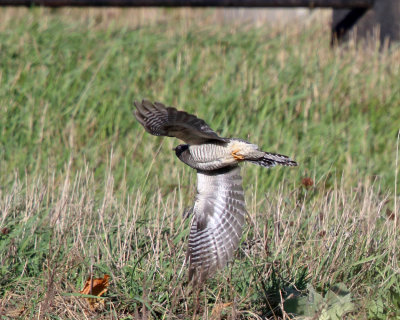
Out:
{"x": 218, "y": 218}
{"x": 160, "y": 120}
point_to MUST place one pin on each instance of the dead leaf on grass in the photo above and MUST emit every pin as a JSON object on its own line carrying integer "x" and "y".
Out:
{"x": 95, "y": 287}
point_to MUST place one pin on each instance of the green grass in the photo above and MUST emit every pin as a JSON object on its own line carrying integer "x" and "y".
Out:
{"x": 83, "y": 187}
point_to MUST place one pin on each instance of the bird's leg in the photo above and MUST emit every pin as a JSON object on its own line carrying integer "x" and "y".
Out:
{"x": 237, "y": 156}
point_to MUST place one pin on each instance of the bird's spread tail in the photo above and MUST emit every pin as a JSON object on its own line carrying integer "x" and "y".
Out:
{"x": 272, "y": 159}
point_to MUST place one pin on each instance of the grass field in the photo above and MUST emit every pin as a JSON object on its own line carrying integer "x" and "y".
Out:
{"x": 83, "y": 188}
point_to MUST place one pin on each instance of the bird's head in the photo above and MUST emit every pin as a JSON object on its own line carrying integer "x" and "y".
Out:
{"x": 180, "y": 149}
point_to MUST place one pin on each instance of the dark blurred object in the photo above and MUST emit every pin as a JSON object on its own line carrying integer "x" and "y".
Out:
{"x": 307, "y": 182}
{"x": 367, "y": 18}
{"x": 342, "y": 4}
{"x": 5, "y": 231}
{"x": 381, "y": 22}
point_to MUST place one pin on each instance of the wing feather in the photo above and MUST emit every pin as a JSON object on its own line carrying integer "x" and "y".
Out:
{"x": 160, "y": 120}
{"x": 217, "y": 224}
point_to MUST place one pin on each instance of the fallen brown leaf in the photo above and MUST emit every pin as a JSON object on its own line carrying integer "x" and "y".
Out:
{"x": 95, "y": 287}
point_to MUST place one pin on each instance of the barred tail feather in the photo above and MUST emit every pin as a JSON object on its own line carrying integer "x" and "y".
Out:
{"x": 272, "y": 159}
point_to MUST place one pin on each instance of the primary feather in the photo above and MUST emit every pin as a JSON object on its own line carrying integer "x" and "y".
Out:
{"x": 160, "y": 120}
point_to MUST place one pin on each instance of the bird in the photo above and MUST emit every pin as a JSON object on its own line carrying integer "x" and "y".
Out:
{"x": 219, "y": 210}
